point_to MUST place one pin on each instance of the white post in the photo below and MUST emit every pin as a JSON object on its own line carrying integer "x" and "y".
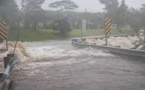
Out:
{"x": 84, "y": 24}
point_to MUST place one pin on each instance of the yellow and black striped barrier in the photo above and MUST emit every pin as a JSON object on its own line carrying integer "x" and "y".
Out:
{"x": 107, "y": 28}
{"x": 3, "y": 30}
{"x": 107, "y": 25}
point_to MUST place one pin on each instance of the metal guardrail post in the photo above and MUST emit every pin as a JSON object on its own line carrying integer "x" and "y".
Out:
{"x": 7, "y": 59}
{"x": 5, "y": 77}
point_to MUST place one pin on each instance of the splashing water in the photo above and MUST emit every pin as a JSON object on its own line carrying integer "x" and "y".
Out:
{"x": 52, "y": 50}
{"x": 55, "y": 53}
{"x": 123, "y": 42}
{"x": 59, "y": 63}
{"x": 60, "y": 49}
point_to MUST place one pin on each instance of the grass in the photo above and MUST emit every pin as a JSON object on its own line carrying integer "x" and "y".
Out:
{"x": 94, "y": 32}
{"x": 30, "y": 35}
{"x": 48, "y": 34}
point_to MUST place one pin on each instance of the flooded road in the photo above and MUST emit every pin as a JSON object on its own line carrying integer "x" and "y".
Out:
{"x": 56, "y": 65}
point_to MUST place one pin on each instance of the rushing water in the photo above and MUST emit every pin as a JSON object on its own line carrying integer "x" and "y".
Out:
{"x": 57, "y": 65}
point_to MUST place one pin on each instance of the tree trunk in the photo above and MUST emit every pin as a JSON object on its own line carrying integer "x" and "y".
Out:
{"x": 27, "y": 25}
{"x": 118, "y": 27}
{"x": 35, "y": 26}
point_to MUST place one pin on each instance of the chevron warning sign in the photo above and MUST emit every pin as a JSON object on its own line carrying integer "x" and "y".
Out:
{"x": 3, "y": 30}
{"x": 107, "y": 25}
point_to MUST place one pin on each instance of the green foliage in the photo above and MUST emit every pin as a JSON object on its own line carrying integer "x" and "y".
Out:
{"x": 121, "y": 14}
{"x": 10, "y": 13}
{"x": 142, "y": 17}
{"x": 94, "y": 20}
{"x": 62, "y": 26}
{"x": 3, "y": 2}
{"x": 64, "y": 5}
{"x": 111, "y": 7}
{"x": 133, "y": 19}
{"x": 114, "y": 11}
{"x": 33, "y": 13}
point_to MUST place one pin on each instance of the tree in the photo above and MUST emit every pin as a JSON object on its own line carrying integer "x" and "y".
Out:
{"x": 64, "y": 5}
{"x": 111, "y": 7}
{"x": 33, "y": 12}
{"x": 62, "y": 26}
{"x": 142, "y": 17}
{"x": 115, "y": 12}
{"x": 10, "y": 13}
{"x": 133, "y": 19}
{"x": 109, "y": 4}
{"x": 121, "y": 15}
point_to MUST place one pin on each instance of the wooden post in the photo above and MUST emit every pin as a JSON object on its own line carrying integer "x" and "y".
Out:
{"x": 106, "y": 39}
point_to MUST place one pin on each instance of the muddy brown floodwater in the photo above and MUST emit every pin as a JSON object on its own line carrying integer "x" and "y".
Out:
{"x": 59, "y": 66}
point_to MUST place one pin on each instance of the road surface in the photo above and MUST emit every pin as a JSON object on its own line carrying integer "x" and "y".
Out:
{"x": 63, "y": 67}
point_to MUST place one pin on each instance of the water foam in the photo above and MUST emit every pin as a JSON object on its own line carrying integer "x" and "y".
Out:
{"x": 61, "y": 50}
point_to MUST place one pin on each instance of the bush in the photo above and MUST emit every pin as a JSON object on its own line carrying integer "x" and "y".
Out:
{"x": 62, "y": 26}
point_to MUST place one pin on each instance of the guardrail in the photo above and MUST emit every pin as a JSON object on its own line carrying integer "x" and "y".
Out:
{"x": 5, "y": 78}
{"x": 115, "y": 50}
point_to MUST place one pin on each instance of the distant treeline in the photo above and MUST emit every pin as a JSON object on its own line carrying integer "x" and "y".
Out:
{"x": 32, "y": 15}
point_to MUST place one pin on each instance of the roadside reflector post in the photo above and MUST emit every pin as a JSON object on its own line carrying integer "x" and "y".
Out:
{"x": 107, "y": 28}
{"x": 3, "y": 32}
{"x": 106, "y": 39}
{"x": 81, "y": 35}
{"x": 83, "y": 29}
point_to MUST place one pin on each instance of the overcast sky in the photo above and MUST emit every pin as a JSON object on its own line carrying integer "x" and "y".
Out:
{"x": 93, "y": 5}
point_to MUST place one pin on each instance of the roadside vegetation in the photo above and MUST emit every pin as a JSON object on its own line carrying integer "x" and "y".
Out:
{"x": 49, "y": 34}
{"x": 63, "y": 21}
